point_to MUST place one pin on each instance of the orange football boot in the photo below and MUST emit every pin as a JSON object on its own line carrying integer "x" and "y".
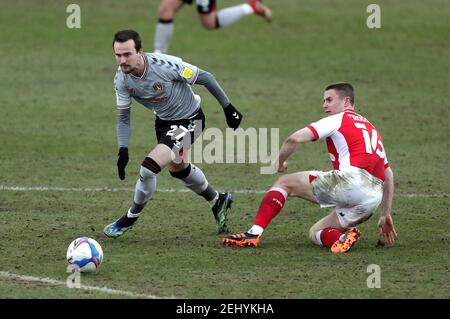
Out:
{"x": 344, "y": 245}
{"x": 242, "y": 240}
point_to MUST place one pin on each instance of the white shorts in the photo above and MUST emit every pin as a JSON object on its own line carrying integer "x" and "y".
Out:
{"x": 354, "y": 191}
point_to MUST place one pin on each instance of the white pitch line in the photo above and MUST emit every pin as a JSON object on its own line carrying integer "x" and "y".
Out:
{"x": 55, "y": 282}
{"x": 104, "y": 189}
{"x": 163, "y": 190}
{"x": 442, "y": 195}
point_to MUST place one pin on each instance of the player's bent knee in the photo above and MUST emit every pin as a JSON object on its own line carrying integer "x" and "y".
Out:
{"x": 208, "y": 26}
{"x": 150, "y": 165}
{"x": 284, "y": 183}
{"x": 182, "y": 173}
{"x": 166, "y": 12}
{"x": 312, "y": 235}
{"x": 208, "y": 21}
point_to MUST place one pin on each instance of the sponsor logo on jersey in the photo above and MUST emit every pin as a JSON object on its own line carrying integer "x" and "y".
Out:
{"x": 157, "y": 86}
{"x": 187, "y": 73}
{"x": 155, "y": 99}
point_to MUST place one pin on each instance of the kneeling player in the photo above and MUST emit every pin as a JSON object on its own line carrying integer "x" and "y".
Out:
{"x": 360, "y": 181}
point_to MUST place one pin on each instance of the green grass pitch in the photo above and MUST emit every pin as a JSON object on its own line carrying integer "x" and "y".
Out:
{"x": 58, "y": 148}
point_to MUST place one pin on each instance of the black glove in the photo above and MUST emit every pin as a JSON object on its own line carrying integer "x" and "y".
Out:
{"x": 233, "y": 116}
{"x": 122, "y": 162}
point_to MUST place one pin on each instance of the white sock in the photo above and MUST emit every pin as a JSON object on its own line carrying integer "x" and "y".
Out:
{"x": 145, "y": 186}
{"x": 318, "y": 240}
{"x": 196, "y": 180}
{"x": 131, "y": 215}
{"x": 230, "y": 15}
{"x": 256, "y": 230}
{"x": 214, "y": 201}
{"x": 163, "y": 35}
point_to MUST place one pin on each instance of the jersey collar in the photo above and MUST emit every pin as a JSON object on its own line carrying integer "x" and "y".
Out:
{"x": 144, "y": 74}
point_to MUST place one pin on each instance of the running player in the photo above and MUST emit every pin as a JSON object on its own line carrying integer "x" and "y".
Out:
{"x": 162, "y": 84}
{"x": 210, "y": 18}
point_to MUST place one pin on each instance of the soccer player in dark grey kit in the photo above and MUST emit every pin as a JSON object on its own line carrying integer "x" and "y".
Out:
{"x": 162, "y": 83}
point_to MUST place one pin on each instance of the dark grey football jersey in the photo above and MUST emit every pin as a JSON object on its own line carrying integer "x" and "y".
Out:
{"x": 164, "y": 87}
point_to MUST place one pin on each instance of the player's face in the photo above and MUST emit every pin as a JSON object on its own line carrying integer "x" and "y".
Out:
{"x": 126, "y": 56}
{"x": 332, "y": 103}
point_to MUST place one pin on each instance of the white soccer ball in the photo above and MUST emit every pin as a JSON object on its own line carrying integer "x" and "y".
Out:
{"x": 85, "y": 253}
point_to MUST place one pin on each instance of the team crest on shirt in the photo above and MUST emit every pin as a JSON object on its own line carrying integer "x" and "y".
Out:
{"x": 157, "y": 86}
{"x": 130, "y": 91}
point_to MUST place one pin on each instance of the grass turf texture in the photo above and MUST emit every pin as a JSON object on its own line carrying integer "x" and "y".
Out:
{"x": 58, "y": 130}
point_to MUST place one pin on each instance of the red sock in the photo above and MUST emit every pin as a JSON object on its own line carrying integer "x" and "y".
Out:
{"x": 329, "y": 236}
{"x": 271, "y": 205}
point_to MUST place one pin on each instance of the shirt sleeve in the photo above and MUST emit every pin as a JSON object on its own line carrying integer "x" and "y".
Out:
{"x": 123, "y": 97}
{"x": 189, "y": 73}
{"x": 174, "y": 68}
{"x": 123, "y": 129}
{"x": 326, "y": 126}
{"x": 208, "y": 80}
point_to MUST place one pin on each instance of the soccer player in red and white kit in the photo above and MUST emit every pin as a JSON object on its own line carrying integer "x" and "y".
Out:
{"x": 360, "y": 181}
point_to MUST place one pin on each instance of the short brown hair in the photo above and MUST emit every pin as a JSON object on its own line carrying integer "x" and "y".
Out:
{"x": 125, "y": 35}
{"x": 343, "y": 89}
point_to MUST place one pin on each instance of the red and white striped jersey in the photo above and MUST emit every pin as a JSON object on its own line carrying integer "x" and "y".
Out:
{"x": 352, "y": 141}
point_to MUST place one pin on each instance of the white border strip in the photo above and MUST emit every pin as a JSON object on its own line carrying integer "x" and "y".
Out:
{"x": 55, "y": 282}
{"x": 164, "y": 190}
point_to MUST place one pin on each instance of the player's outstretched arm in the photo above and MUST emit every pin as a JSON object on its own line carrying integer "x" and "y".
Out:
{"x": 386, "y": 224}
{"x": 232, "y": 115}
{"x": 290, "y": 145}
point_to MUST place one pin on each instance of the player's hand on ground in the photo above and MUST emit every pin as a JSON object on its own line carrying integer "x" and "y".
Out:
{"x": 233, "y": 116}
{"x": 282, "y": 167}
{"x": 122, "y": 162}
{"x": 387, "y": 230}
